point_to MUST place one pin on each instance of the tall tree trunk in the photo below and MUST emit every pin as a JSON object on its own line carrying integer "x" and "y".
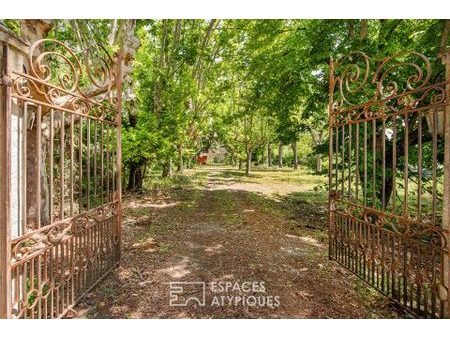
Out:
{"x": 167, "y": 169}
{"x": 136, "y": 175}
{"x": 248, "y": 161}
{"x": 233, "y": 159}
{"x": 317, "y": 140}
{"x": 295, "y": 150}
{"x": 263, "y": 155}
{"x": 180, "y": 166}
{"x": 280, "y": 155}
{"x": 269, "y": 154}
{"x": 157, "y": 92}
{"x": 240, "y": 163}
{"x": 319, "y": 163}
{"x": 189, "y": 162}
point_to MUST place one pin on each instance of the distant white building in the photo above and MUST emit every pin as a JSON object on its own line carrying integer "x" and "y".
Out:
{"x": 217, "y": 154}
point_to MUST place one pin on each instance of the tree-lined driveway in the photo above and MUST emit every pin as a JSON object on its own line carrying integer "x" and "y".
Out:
{"x": 256, "y": 245}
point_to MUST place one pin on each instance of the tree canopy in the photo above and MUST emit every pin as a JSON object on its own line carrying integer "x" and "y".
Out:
{"x": 245, "y": 84}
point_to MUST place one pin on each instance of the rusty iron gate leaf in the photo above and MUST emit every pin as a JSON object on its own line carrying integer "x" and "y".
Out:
{"x": 63, "y": 183}
{"x": 389, "y": 176}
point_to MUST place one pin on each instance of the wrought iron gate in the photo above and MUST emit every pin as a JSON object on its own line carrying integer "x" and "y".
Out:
{"x": 389, "y": 176}
{"x": 60, "y": 158}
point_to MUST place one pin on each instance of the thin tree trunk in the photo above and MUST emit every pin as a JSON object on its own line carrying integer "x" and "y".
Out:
{"x": 136, "y": 176}
{"x": 263, "y": 156}
{"x": 269, "y": 154}
{"x": 248, "y": 162}
{"x": 319, "y": 163}
{"x": 189, "y": 162}
{"x": 233, "y": 159}
{"x": 280, "y": 155}
{"x": 295, "y": 150}
{"x": 162, "y": 63}
{"x": 167, "y": 169}
{"x": 180, "y": 166}
{"x": 240, "y": 164}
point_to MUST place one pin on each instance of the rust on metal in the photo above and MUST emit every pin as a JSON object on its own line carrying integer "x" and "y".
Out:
{"x": 390, "y": 176}
{"x": 5, "y": 187}
{"x": 72, "y": 238}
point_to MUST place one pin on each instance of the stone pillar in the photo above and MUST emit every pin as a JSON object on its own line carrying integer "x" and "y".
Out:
{"x": 13, "y": 54}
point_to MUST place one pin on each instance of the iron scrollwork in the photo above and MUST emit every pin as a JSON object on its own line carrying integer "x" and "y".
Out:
{"x": 58, "y": 78}
{"x": 38, "y": 240}
{"x": 398, "y": 82}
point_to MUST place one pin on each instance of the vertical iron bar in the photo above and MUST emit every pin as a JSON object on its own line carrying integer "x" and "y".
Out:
{"x": 350, "y": 192}
{"x": 95, "y": 163}
{"x": 434, "y": 167}
{"x": 405, "y": 163}
{"x": 61, "y": 167}
{"x": 51, "y": 155}
{"x": 383, "y": 170}
{"x": 419, "y": 168}
{"x": 365, "y": 163}
{"x": 374, "y": 162}
{"x": 357, "y": 164}
{"x": 71, "y": 163}
{"x": 38, "y": 165}
{"x": 19, "y": 178}
{"x": 39, "y": 282}
{"x": 88, "y": 164}
{"x": 394, "y": 162}
{"x": 108, "y": 155}
{"x": 24, "y": 167}
{"x": 102, "y": 172}
{"x": 383, "y": 260}
{"x": 419, "y": 286}
{"x": 343, "y": 160}
{"x": 336, "y": 177}
{"x": 80, "y": 165}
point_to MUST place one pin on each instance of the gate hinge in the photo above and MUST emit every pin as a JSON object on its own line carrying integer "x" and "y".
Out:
{"x": 6, "y": 81}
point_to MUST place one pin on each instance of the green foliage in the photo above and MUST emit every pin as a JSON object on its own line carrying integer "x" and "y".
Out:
{"x": 238, "y": 83}
{"x": 266, "y": 81}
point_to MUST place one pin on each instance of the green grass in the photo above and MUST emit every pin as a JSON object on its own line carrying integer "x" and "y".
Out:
{"x": 189, "y": 179}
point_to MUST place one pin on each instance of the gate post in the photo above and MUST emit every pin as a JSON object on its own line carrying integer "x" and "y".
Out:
{"x": 446, "y": 202}
{"x": 5, "y": 185}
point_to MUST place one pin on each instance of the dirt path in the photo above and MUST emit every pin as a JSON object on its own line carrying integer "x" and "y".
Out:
{"x": 224, "y": 232}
